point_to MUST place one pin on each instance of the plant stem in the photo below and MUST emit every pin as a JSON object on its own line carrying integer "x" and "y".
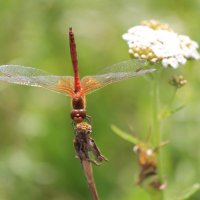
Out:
{"x": 172, "y": 97}
{"x": 155, "y": 103}
{"x": 88, "y": 171}
{"x": 156, "y": 129}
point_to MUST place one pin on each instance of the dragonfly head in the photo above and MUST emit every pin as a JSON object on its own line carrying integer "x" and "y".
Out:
{"x": 78, "y": 115}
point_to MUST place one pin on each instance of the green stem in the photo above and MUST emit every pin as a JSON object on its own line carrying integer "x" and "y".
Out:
{"x": 167, "y": 111}
{"x": 155, "y": 103}
{"x": 156, "y": 140}
{"x": 172, "y": 97}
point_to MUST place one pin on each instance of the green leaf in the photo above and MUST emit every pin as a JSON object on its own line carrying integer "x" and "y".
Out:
{"x": 167, "y": 113}
{"x": 188, "y": 192}
{"x": 124, "y": 135}
{"x": 177, "y": 109}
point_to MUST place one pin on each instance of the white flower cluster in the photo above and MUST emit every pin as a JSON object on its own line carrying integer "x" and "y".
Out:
{"x": 155, "y": 42}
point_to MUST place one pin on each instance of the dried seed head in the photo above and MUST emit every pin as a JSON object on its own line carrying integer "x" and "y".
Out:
{"x": 157, "y": 184}
{"x": 83, "y": 127}
{"x": 146, "y": 155}
{"x": 147, "y": 160}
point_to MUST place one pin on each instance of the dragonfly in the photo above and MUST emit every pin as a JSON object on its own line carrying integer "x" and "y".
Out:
{"x": 73, "y": 86}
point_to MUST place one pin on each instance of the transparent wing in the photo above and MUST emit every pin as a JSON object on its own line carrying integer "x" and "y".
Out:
{"x": 115, "y": 73}
{"x": 38, "y": 78}
{"x": 17, "y": 70}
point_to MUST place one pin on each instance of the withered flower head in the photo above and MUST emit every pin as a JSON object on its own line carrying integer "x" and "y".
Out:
{"x": 83, "y": 127}
{"x": 147, "y": 160}
{"x": 85, "y": 146}
{"x": 146, "y": 155}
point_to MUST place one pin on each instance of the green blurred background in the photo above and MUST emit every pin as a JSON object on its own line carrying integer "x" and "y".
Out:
{"x": 37, "y": 159}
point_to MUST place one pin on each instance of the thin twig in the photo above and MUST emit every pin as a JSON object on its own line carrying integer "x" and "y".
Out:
{"x": 88, "y": 171}
{"x": 85, "y": 146}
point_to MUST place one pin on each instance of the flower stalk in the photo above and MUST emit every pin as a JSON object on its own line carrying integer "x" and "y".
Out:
{"x": 88, "y": 171}
{"x": 156, "y": 140}
{"x": 155, "y": 104}
{"x": 84, "y": 146}
{"x": 157, "y": 43}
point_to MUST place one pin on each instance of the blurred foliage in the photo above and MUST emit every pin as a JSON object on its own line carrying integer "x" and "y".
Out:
{"x": 37, "y": 160}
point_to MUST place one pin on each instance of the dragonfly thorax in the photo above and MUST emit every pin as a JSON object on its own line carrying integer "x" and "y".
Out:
{"x": 78, "y": 103}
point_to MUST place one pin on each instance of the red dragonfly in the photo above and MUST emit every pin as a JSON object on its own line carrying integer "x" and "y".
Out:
{"x": 74, "y": 87}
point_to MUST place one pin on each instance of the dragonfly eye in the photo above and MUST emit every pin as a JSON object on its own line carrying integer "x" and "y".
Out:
{"x": 78, "y": 115}
{"x": 78, "y": 119}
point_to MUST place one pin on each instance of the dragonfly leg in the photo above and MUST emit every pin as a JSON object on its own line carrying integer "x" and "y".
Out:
{"x": 74, "y": 125}
{"x": 88, "y": 118}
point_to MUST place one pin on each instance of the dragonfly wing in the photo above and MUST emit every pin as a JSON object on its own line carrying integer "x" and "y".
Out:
{"x": 115, "y": 73}
{"x": 17, "y": 70}
{"x": 38, "y": 78}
